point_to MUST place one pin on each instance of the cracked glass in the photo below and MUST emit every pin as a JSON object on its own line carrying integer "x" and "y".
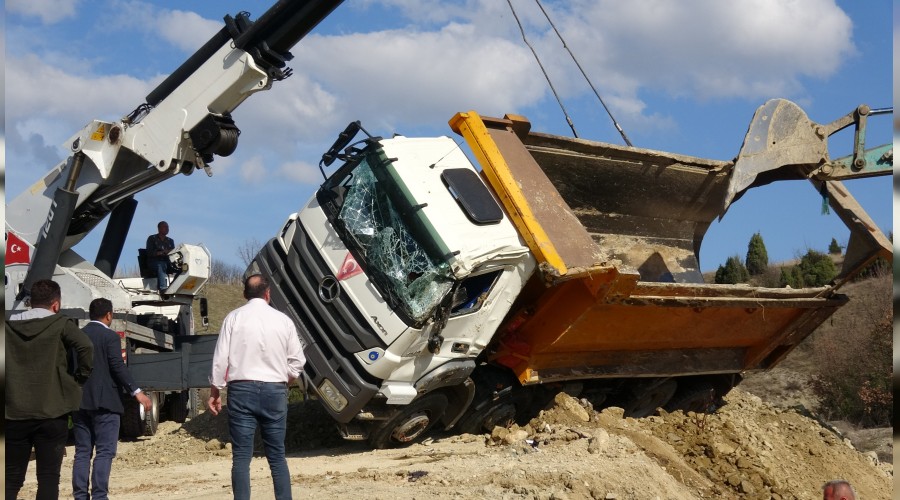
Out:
{"x": 396, "y": 259}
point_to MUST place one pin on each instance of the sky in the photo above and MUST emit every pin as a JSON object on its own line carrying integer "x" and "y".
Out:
{"x": 684, "y": 77}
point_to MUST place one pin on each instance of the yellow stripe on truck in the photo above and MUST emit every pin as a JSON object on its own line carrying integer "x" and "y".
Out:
{"x": 472, "y": 128}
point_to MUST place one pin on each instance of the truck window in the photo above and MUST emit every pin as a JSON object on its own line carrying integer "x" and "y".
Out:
{"x": 393, "y": 252}
{"x": 473, "y": 292}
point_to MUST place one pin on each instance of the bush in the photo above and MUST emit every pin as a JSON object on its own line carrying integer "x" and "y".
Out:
{"x": 852, "y": 358}
{"x": 815, "y": 269}
{"x": 223, "y": 273}
{"x": 854, "y": 384}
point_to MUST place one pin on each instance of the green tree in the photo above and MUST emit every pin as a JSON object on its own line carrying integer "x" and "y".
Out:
{"x": 816, "y": 268}
{"x": 834, "y": 248}
{"x": 732, "y": 272}
{"x": 791, "y": 277}
{"x": 757, "y": 258}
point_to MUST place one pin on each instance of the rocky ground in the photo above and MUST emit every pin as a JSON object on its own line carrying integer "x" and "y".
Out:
{"x": 747, "y": 449}
{"x": 766, "y": 442}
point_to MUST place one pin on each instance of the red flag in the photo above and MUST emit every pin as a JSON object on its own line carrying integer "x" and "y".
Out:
{"x": 17, "y": 251}
{"x": 349, "y": 268}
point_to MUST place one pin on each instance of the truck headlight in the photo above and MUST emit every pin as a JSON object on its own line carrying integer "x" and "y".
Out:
{"x": 332, "y": 396}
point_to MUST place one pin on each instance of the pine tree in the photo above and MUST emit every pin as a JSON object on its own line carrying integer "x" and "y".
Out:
{"x": 757, "y": 258}
{"x": 732, "y": 272}
{"x": 834, "y": 248}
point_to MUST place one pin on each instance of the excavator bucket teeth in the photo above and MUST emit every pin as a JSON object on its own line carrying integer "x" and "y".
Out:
{"x": 781, "y": 143}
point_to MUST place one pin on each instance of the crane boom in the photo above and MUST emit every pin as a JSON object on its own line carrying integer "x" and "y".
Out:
{"x": 184, "y": 123}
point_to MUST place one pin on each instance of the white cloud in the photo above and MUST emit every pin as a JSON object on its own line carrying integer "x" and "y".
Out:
{"x": 185, "y": 30}
{"x": 706, "y": 48}
{"x": 416, "y": 78}
{"x": 69, "y": 95}
{"x": 463, "y": 55}
{"x": 253, "y": 171}
{"x": 300, "y": 171}
{"x": 49, "y": 11}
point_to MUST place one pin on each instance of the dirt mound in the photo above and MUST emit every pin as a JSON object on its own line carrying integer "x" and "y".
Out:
{"x": 747, "y": 449}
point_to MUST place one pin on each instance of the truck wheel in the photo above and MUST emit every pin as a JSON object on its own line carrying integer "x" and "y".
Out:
{"x": 409, "y": 423}
{"x": 157, "y": 322}
{"x": 700, "y": 396}
{"x": 151, "y": 418}
{"x": 499, "y": 400}
{"x": 178, "y": 406}
{"x": 645, "y": 402}
{"x": 132, "y": 421}
{"x": 194, "y": 403}
{"x": 183, "y": 405}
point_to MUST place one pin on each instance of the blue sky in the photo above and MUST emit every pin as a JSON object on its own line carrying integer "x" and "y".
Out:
{"x": 684, "y": 77}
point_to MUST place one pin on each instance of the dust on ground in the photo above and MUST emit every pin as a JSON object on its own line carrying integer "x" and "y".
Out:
{"x": 747, "y": 449}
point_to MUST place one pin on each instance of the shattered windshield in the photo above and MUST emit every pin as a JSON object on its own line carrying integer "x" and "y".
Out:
{"x": 396, "y": 260}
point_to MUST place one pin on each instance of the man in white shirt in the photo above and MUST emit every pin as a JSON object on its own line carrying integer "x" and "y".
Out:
{"x": 258, "y": 355}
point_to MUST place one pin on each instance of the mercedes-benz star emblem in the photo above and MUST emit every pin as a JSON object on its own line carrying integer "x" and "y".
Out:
{"x": 329, "y": 289}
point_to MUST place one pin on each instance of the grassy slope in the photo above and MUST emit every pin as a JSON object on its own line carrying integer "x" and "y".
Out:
{"x": 222, "y": 300}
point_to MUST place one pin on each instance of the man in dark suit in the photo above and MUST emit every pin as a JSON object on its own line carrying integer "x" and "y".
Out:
{"x": 96, "y": 424}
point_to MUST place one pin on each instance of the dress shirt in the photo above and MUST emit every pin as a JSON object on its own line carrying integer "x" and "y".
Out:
{"x": 257, "y": 342}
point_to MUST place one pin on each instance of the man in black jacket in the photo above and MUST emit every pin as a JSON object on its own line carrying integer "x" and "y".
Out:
{"x": 42, "y": 388}
{"x": 97, "y": 422}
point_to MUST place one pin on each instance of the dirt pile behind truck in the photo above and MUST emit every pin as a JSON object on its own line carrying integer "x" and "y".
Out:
{"x": 747, "y": 449}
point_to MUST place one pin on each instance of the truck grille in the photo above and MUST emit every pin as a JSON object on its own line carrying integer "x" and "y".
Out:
{"x": 331, "y": 332}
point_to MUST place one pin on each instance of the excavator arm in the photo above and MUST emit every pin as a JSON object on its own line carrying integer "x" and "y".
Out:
{"x": 782, "y": 143}
{"x": 184, "y": 123}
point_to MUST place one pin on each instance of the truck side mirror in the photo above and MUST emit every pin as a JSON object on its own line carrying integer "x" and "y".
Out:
{"x": 204, "y": 311}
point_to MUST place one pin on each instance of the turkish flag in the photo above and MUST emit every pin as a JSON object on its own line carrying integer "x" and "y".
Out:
{"x": 349, "y": 268}
{"x": 17, "y": 251}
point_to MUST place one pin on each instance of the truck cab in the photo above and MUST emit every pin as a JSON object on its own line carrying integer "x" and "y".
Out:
{"x": 398, "y": 271}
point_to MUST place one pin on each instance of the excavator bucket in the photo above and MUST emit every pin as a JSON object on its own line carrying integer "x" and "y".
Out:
{"x": 780, "y": 135}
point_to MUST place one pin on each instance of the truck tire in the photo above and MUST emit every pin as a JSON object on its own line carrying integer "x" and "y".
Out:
{"x": 183, "y": 405}
{"x": 409, "y": 423}
{"x": 157, "y": 322}
{"x": 151, "y": 418}
{"x": 499, "y": 401}
{"x": 194, "y": 403}
{"x": 697, "y": 397}
{"x": 702, "y": 394}
{"x": 644, "y": 402}
{"x": 132, "y": 421}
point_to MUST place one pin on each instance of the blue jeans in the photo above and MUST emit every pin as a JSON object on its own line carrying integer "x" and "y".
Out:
{"x": 94, "y": 430}
{"x": 162, "y": 278}
{"x": 249, "y": 404}
{"x": 48, "y": 438}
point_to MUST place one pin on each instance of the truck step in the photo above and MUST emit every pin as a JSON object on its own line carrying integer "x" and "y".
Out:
{"x": 353, "y": 432}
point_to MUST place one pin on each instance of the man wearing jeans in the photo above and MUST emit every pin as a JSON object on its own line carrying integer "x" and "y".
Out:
{"x": 43, "y": 386}
{"x": 96, "y": 424}
{"x": 158, "y": 247}
{"x": 258, "y": 354}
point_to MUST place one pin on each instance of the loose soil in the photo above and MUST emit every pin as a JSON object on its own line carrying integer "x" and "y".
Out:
{"x": 765, "y": 442}
{"x": 747, "y": 449}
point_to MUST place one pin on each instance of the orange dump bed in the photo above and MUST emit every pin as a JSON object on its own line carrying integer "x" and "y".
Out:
{"x": 616, "y": 232}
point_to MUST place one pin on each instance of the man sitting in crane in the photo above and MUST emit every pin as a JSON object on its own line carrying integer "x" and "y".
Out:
{"x": 158, "y": 247}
